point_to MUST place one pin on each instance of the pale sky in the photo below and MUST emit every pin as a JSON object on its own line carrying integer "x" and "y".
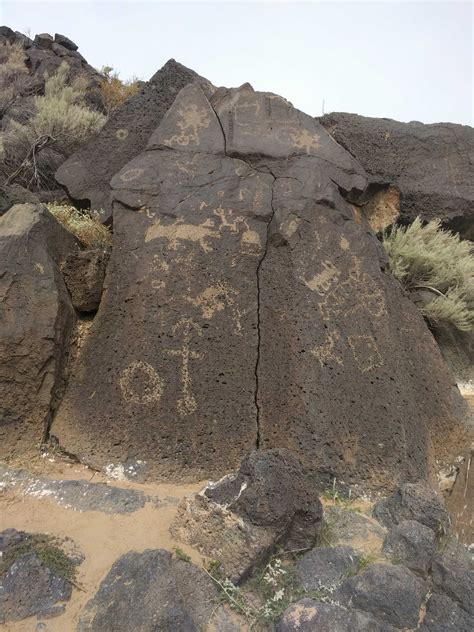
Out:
{"x": 402, "y": 60}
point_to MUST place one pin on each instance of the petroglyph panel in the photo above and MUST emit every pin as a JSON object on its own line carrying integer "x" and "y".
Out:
{"x": 141, "y": 384}
{"x": 366, "y": 352}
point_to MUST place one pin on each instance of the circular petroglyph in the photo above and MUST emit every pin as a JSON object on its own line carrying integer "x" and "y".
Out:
{"x": 121, "y": 134}
{"x": 131, "y": 174}
{"x": 141, "y": 384}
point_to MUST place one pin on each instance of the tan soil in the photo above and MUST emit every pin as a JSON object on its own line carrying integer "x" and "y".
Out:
{"x": 101, "y": 537}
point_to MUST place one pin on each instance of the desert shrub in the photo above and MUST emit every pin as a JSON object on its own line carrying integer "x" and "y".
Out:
{"x": 15, "y": 80}
{"x": 426, "y": 257}
{"x": 60, "y": 124}
{"x": 114, "y": 91}
{"x": 85, "y": 225}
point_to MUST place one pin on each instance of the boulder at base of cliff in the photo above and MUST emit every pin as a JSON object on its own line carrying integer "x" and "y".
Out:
{"x": 36, "y": 319}
{"x": 414, "y": 169}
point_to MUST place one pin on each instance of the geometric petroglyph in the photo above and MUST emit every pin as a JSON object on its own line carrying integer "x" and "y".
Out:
{"x": 366, "y": 353}
{"x": 216, "y": 298}
{"x": 187, "y": 404}
{"x": 141, "y": 384}
{"x": 304, "y": 139}
{"x": 327, "y": 352}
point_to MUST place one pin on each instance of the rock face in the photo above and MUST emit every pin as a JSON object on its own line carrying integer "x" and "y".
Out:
{"x": 149, "y": 591}
{"x": 86, "y": 174}
{"x": 461, "y": 500}
{"x": 84, "y": 273}
{"x": 248, "y": 304}
{"x": 36, "y": 318}
{"x": 414, "y": 169}
{"x": 412, "y": 544}
{"x": 326, "y": 566}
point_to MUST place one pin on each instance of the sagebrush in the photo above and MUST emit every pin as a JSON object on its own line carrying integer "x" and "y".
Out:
{"x": 430, "y": 259}
{"x": 114, "y": 91}
{"x": 60, "y": 123}
{"x": 84, "y": 225}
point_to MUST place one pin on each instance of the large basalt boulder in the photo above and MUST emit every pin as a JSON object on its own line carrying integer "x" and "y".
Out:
{"x": 86, "y": 174}
{"x": 414, "y": 169}
{"x": 36, "y": 318}
{"x": 248, "y": 304}
{"x": 150, "y": 591}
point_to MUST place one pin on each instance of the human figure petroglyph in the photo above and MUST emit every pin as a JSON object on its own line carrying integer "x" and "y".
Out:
{"x": 215, "y": 299}
{"x": 187, "y": 404}
{"x": 193, "y": 120}
{"x": 140, "y": 384}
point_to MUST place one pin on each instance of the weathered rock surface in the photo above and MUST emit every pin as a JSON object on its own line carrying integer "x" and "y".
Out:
{"x": 84, "y": 273}
{"x": 36, "y": 318}
{"x": 240, "y": 519}
{"x": 411, "y": 544}
{"x": 28, "y": 585}
{"x": 391, "y": 593}
{"x": 444, "y": 615}
{"x": 460, "y": 502}
{"x": 428, "y": 168}
{"x": 326, "y": 566}
{"x": 453, "y": 575}
{"x": 150, "y": 591}
{"x": 254, "y": 270}
{"x": 355, "y": 529}
{"x": 309, "y": 615}
{"x": 86, "y": 174}
{"x": 413, "y": 501}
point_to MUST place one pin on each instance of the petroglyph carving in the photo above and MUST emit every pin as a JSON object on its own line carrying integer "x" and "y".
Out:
{"x": 141, "y": 384}
{"x": 359, "y": 292}
{"x": 327, "y": 352}
{"x": 193, "y": 120}
{"x": 366, "y": 353}
{"x": 215, "y": 299}
{"x": 323, "y": 281}
{"x": 187, "y": 404}
{"x": 179, "y": 231}
{"x": 344, "y": 243}
{"x": 249, "y": 239}
{"x": 304, "y": 139}
{"x": 131, "y": 174}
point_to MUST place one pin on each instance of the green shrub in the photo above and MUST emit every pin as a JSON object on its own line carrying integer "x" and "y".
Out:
{"x": 428, "y": 258}
{"x": 84, "y": 225}
{"x": 60, "y": 124}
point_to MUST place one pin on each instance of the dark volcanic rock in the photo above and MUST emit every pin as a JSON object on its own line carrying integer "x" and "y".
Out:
{"x": 43, "y": 40}
{"x": 240, "y": 519}
{"x": 62, "y": 40}
{"x": 444, "y": 615}
{"x": 460, "y": 502}
{"x": 430, "y": 165}
{"x": 84, "y": 274}
{"x": 253, "y": 270}
{"x": 391, "y": 593}
{"x": 36, "y": 318}
{"x": 149, "y": 591}
{"x": 271, "y": 489}
{"x": 413, "y": 501}
{"x": 309, "y": 615}
{"x": 326, "y": 566}
{"x": 411, "y": 544}
{"x": 86, "y": 174}
{"x": 454, "y": 576}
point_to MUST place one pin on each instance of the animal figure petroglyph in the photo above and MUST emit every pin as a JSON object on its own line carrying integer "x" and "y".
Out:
{"x": 366, "y": 353}
{"x": 179, "y": 231}
{"x": 215, "y": 299}
{"x": 327, "y": 352}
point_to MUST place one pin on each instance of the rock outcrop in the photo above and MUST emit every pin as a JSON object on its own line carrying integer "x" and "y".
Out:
{"x": 248, "y": 304}
{"x": 36, "y": 319}
{"x": 413, "y": 169}
{"x": 86, "y": 174}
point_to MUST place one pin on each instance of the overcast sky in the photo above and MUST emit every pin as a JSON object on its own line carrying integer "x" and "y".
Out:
{"x": 403, "y": 60}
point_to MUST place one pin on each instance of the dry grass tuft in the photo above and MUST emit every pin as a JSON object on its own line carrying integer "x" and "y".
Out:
{"x": 84, "y": 225}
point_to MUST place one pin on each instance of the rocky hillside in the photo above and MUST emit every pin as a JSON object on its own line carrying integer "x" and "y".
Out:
{"x": 210, "y": 299}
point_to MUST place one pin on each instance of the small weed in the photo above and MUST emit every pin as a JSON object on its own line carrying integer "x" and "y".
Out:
{"x": 364, "y": 561}
{"x": 335, "y": 495}
{"x": 46, "y": 550}
{"x": 179, "y": 554}
{"x": 326, "y": 536}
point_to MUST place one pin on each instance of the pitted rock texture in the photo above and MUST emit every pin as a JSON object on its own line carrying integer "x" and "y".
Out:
{"x": 84, "y": 273}
{"x": 36, "y": 319}
{"x": 150, "y": 591}
{"x": 460, "y": 502}
{"x": 428, "y": 167}
{"x": 248, "y": 304}
{"x": 86, "y": 174}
